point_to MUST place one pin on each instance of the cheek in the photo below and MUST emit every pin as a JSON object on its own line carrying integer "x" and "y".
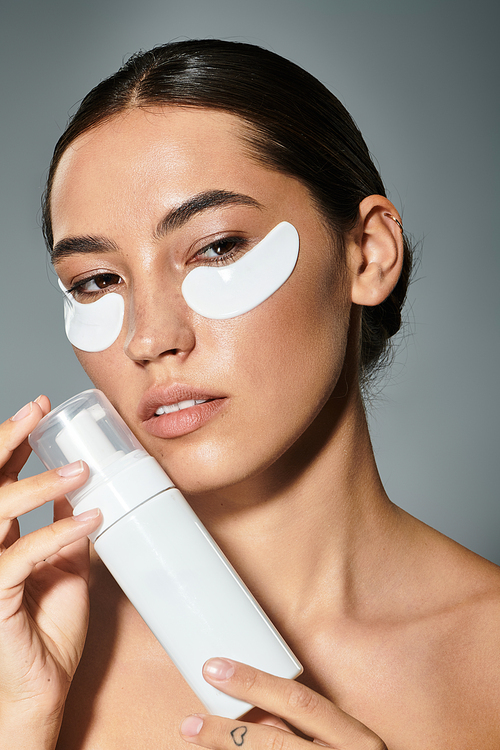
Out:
{"x": 102, "y": 368}
{"x": 290, "y": 351}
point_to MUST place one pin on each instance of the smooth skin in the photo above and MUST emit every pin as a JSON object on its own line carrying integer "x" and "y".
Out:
{"x": 396, "y": 626}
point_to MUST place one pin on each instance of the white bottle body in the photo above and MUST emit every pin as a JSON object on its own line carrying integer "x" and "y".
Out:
{"x": 190, "y": 597}
{"x": 159, "y": 552}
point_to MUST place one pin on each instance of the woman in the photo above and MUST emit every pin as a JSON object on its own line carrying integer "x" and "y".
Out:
{"x": 190, "y": 156}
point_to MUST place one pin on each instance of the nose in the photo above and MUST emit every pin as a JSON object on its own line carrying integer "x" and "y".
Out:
{"x": 158, "y": 324}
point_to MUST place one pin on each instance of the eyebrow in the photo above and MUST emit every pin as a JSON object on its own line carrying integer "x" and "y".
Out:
{"x": 85, "y": 244}
{"x": 179, "y": 216}
{"x": 174, "y": 219}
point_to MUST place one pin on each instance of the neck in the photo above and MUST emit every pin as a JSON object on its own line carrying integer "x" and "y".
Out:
{"x": 305, "y": 546}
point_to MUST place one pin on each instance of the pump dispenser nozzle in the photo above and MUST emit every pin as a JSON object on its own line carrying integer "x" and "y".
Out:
{"x": 83, "y": 439}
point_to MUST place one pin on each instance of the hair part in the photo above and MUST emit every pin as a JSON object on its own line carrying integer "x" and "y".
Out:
{"x": 295, "y": 126}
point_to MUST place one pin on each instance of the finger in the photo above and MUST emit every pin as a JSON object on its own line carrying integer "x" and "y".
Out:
{"x": 20, "y": 457}
{"x": 18, "y": 561}
{"x": 14, "y": 446}
{"x": 258, "y": 716}
{"x": 44, "y": 404}
{"x": 297, "y": 704}
{"x": 75, "y": 557}
{"x": 62, "y": 508}
{"x": 227, "y": 734}
{"x": 33, "y": 492}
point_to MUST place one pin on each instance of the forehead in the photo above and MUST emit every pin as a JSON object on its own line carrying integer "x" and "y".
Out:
{"x": 119, "y": 180}
{"x": 143, "y": 133}
{"x": 143, "y": 153}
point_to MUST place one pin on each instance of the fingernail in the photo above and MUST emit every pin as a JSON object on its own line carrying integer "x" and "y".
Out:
{"x": 37, "y": 400}
{"x": 23, "y": 413}
{"x": 71, "y": 470}
{"x": 219, "y": 669}
{"x": 88, "y": 515}
{"x": 191, "y": 726}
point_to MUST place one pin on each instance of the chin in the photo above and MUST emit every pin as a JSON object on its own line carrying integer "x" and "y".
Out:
{"x": 194, "y": 469}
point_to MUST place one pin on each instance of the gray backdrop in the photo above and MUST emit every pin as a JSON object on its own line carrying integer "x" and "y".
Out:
{"x": 421, "y": 80}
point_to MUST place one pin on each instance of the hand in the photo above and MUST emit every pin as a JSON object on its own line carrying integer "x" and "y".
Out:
{"x": 307, "y": 711}
{"x": 43, "y": 580}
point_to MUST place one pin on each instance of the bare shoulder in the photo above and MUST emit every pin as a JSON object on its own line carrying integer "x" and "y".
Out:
{"x": 471, "y": 647}
{"x": 476, "y": 634}
{"x": 454, "y": 582}
{"x": 460, "y": 598}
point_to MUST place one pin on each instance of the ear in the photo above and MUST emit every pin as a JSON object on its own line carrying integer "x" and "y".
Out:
{"x": 375, "y": 251}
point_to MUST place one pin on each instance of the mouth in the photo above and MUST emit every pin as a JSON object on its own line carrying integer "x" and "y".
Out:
{"x": 179, "y": 406}
{"x": 178, "y": 410}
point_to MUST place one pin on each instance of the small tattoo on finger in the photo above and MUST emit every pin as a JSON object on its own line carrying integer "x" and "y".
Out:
{"x": 238, "y": 735}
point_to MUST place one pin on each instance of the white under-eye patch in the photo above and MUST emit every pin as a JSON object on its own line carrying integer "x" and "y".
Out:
{"x": 95, "y": 326}
{"x": 228, "y": 291}
{"x": 217, "y": 293}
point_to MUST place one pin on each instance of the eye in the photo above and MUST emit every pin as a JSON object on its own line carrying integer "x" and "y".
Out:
{"x": 221, "y": 251}
{"x": 90, "y": 287}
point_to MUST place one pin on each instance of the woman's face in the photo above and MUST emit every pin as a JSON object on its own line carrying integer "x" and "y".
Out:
{"x": 263, "y": 376}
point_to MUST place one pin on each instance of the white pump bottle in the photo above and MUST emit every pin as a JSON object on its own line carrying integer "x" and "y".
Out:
{"x": 159, "y": 552}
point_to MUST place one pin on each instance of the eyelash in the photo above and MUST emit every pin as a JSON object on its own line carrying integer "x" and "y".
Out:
{"x": 235, "y": 245}
{"x": 77, "y": 289}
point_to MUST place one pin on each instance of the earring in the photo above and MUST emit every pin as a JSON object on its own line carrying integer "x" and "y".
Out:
{"x": 396, "y": 220}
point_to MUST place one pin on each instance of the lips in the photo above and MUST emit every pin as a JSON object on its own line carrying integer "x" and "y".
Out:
{"x": 177, "y": 410}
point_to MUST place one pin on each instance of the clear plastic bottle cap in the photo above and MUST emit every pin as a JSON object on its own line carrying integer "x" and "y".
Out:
{"x": 87, "y": 427}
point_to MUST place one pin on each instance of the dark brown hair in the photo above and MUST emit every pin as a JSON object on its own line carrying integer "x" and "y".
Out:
{"x": 297, "y": 127}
